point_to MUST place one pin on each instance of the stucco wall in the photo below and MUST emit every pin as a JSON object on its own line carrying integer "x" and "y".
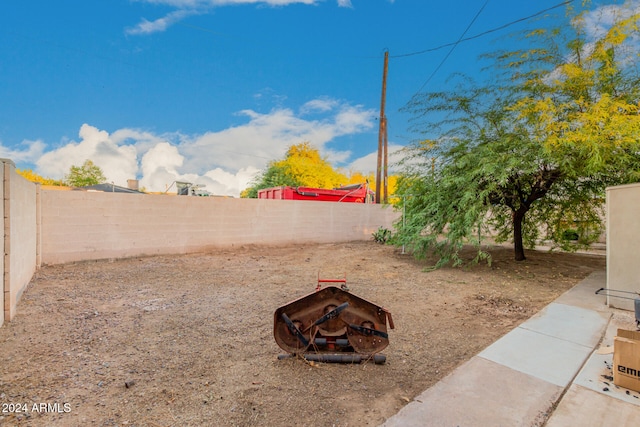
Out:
{"x": 623, "y": 240}
{"x": 2, "y": 283}
{"x": 20, "y": 229}
{"x": 78, "y": 225}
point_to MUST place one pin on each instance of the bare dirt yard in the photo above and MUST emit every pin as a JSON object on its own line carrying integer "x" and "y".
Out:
{"x": 188, "y": 340}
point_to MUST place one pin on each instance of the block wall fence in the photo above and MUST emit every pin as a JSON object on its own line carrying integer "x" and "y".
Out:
{"x": 20, "y": 236}
{"x": 53, "y": 227}
{"x": 44, "y": 227}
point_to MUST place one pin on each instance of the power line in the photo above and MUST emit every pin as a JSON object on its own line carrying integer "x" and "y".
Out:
{"x": 454, "y": 46}
{"x": 484, "y": 33}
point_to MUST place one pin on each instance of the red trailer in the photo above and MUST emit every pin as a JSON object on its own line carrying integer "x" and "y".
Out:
{"x": 357, "y": 193}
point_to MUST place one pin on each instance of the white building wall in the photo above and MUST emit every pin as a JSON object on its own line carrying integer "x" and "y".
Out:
{"x": 623, "y": 242}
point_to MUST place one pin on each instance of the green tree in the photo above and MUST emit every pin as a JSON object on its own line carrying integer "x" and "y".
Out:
{"x": 529, "y": 156}
{"x": 302, "y": 166}
{"x": 85, "y": 175}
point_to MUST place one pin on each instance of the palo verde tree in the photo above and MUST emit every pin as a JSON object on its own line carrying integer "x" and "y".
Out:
{"x": 531, "y": 155}
{"x": 302, "y": 166}
{"x": 85, "y": 175}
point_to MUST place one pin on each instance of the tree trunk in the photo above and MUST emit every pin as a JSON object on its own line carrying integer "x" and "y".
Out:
{"x": 518, "y": 219}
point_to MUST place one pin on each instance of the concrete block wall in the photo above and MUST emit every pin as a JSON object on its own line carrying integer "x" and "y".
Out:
{"x": 53, "y": 227}
{"x": 20, "y": 236}
{"x": 2, "y": 287}
{"x": 623, "y": 239}
{"x": 78, "y": 225}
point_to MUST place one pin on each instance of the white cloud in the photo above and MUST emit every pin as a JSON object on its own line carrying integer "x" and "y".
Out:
{"x": 117, "y": 162}
{"x": 350, "y": 119}
{"x": 33, "y": 151}
{"x": 160, "y": 24}
{"x": 143, "y": 141}
{"x": 193, "y": 4}
{"x": 321, "y": 104}
{"x": 186, "y": 8}
{"x": 369, "y": 163}
{"x": 224, "y": 161}
{"x": 598, "y": 21}
{"x": 267, "y": 136}
{"x": 218, "y": 181}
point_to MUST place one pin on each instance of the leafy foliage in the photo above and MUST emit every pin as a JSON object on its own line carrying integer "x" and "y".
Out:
{"x": 359, "y": 178}
{"x": 85, "y": 175}
{"x": 302, "y": 166}
{"x": 34, "y": 177}
{"x": 382, "y": 235}
{"x": 527, "y": 157}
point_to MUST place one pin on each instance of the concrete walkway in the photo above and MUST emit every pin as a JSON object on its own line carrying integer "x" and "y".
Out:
{"x": 547, "y": 371}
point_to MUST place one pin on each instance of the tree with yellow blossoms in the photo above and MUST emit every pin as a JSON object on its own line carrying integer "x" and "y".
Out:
{"x": 302, "y": 166}
{"x": 34, "y": 177}
{"x": 528, "y": 155}
{"x": 359, "y": 178}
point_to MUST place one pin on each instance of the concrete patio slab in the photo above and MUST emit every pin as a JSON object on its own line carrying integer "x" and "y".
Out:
{"x": 548, "y": 371}
{"x": 480, "y": 393}
{"x": 569, "y": 323}
{"x": 596, "y": 375}
{"x": 584, "y": 294}
{"x": 583, "y": 407}
{"x": 542, "y": 356}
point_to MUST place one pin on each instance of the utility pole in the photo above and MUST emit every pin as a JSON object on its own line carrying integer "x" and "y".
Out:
{"x": 382, "y": 138}
{"x": 384, "y": 164}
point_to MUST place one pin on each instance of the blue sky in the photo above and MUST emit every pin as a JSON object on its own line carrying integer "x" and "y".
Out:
{"x": 209, "y": 91}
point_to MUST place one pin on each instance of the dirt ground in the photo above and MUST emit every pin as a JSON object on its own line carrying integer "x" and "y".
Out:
{"x": 188, "y": 340}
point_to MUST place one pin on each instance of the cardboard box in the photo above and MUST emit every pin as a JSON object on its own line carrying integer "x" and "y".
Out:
{"x": 626, "y": 359}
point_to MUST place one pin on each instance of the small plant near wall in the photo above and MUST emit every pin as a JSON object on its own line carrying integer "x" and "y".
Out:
{"x": 570, "y": 234}
{"x": 382, "y": 235}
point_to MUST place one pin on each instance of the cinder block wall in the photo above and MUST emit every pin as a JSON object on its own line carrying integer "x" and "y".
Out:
{"x": 2, "y": 283}
{"x": 78, "y": 225}
{"x": 623, "y": 239}
{"x": 20, "y": 236}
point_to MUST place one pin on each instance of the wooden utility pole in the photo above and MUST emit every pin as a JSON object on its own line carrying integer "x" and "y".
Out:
{"x": 382, "y": 138}
{"x": 384, "y": 164}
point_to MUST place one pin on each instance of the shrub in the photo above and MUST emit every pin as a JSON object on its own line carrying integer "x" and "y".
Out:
{"x": 382, "y": 235}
